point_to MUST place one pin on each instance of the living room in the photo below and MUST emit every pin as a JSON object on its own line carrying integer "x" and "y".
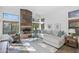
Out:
{"x": 34, "y": 29}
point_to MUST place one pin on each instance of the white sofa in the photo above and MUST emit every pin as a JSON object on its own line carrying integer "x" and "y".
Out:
{"x": 53, "y": 40}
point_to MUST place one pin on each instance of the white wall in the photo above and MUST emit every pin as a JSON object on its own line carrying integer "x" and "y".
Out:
{"x": 60, "y": 16}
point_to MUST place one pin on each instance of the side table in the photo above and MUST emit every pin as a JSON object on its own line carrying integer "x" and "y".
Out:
{"x": 72, "y": 42}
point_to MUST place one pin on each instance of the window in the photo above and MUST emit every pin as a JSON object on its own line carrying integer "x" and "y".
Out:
{"x": 35, "y": 26}
{"x": 9, "y": 27}
{"x": 42, "y": 26}
{"x": 11, "y": 23}
{"x": 73, "y": 14}
{"x": 6, "y": 28}
{"x": 1, "y": 15}
{"x": 15, "y": 27}
{"x": 11, "y": 16}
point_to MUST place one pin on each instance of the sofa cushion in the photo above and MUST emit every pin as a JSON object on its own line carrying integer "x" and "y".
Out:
{"x": 52, "y": 38}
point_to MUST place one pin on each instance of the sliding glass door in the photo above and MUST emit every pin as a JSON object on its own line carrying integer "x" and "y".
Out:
{"x": 10, "y": 27}
{"x": 15, "y": 27}
{"x": 6, "y": 28}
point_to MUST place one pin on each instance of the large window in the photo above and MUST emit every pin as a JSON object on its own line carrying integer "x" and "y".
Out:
{"x": 11, "y": 23}
{"x": 74, "y": 23}
{"x": 15, "y": 27}
{"x": 11, "y": 16}
{"x": 10, "y": 27}
{"x": 1, "y": 15}
{"x": 73, "y": 14}
{"x": 6, "y": 28}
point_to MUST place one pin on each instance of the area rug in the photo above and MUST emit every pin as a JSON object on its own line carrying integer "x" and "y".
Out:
{"x": 48, "y": 47}
{"x": 30, "y": 49}
{"x": 23, "y": 47}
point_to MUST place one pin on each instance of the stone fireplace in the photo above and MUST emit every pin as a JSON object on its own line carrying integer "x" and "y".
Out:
{"x": 26, "y": 23}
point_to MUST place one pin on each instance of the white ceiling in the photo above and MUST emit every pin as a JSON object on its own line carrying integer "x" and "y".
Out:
{"x": 41, "y": 10}
{"x": 38, "y": 9}
{"x": 34, "y": 9}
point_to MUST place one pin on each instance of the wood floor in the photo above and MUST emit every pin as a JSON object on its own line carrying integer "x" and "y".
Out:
{"x": 67, "y": 49}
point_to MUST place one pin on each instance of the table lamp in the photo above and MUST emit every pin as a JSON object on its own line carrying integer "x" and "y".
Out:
{"x": 71, "y": 32}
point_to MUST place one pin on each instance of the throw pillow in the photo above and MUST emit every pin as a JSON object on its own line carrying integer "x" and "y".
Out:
{"x": 60, "y": 33}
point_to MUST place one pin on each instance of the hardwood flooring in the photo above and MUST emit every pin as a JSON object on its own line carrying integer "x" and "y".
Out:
{"x": 67, "y": 49}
